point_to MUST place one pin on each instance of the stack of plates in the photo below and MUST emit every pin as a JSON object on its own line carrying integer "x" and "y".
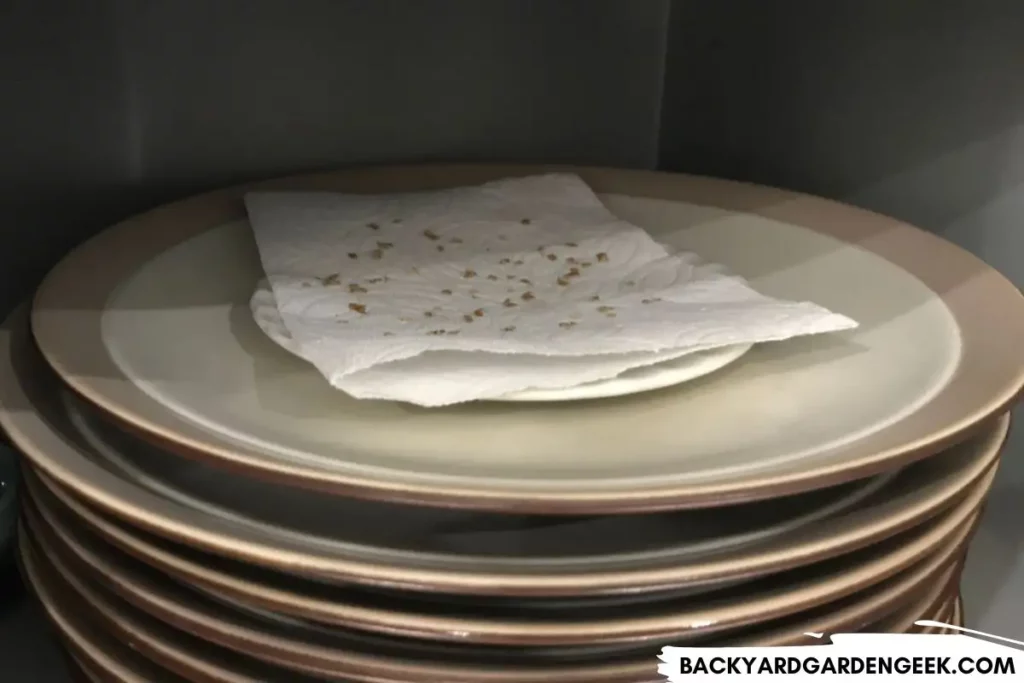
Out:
{"x": 199, "y": 505}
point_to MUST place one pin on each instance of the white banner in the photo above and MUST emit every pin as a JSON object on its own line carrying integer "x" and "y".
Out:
{"x": 855, "y": 657}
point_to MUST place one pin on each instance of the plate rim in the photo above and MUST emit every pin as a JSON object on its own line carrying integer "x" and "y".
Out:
{"x": 990, "y": 376}
{"x": 55, "y": 456}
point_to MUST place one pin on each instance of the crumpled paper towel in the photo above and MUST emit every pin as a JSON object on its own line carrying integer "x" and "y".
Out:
{"x": 472, "y": 293}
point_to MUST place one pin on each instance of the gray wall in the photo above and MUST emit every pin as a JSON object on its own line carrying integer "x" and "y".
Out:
{"x": 913, "y": 109}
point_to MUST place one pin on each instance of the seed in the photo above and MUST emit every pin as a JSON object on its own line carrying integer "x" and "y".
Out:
{"x": 385, "y": 245}
{"x": 573, "y": 272}
{"x": 376, "y": 280}
{"x": 525, "y": 281}
{"x": 510, "y": 328}
{"x": 552, "y": 257}
{"x": 456, "y": 240}
{"x": 373, "y": 226}
{"x": 479, "y": 312}
{"x": 528, "y": 296}
{"x": 428, "y": 314}
{"x": 469, "y": 273}
{"x": 493, "y": 278}
{"x": 631, "y": 283}
{"x": 602, "y": 257}
{"x": 517, "y": 263}
{"x": 606, "y": 309}
{"x": 356, "y": 289}
{"x": 571, "y": 244}
{"x": 436, "y": 333}
{"x": 358, "y": 308}
{"x": 352, "y": 255}
{"x": 446, "y": 291}
{"x": 440, "y": 248}
{"x": 505, "y": 261}
{"x": 595, "y": 298}
{"x": 567, "y": 325}
{"x": 389, "y": 334}
{"x": 562, "y": 282}
{"x": 377, "y": 254}
{"x": 510, "y": 277}
{"x": 508, "y": 303}
{"x": 571, "y": 260}
{"x": 331, "y": 279}
{"x": 525, "y": 221}
{"x": 468, "y": 318}
{"x": 452, "y": 333}
{"x": 397, "y": 220}
{"x": 650, "y": 301}
{"x": 586, "y": 264}
{"x": 431, "y": 235}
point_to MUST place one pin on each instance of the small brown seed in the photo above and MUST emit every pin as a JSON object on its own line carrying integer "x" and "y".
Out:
{"x": 446, "y": 291}
{"x": 468, "y": 318}
{"x": 353, "y": 255}
{"x": 508, "y": 303}
{"x": 493, "y": 278}
{"x": 440, "y": 248}
{"x": 456, "y": 240}
{"x": 552, "y": 257}
{"x": 389, "y": 334}
{"x": 376, "y": 280}
{"x": 595, "y": 298}
{"x": 562, "y": 282}
{"x": 525, "y": 281}
{"x": 358, "y": 308}
{"x": 332, "y": 279}
{"x": 602, "y": 257}
{"x": 525, "y": 221}
{"x": 571, "y": 244}
{"x": 428, "y": 314}
{"x": 431, "y": 235}
{"x": 373, "y": 226}
{"x": 385, "y": 245}
{"x": 573, "y": 272}
{"x": 479, "y": 313}
{"x": 377, "y": 254}
{"x": 510, "y": 328}
{"x": 452, "y": 333}
{"x": 356, "y": 289}
{"x": 517, "y": 263}
{"x": 567, "y": 325}
{"x": 505, "y": 261}
{"x": 528, "y": 296}
{"x": 586, "y": 264}
{"x": 606, "y": 309}
{"x": 650, "y": 301}
{"x": 469, "y": 273}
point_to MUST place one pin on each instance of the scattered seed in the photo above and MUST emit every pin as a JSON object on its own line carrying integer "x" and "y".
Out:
{"x": 508, "y": 303}
{"x": 595, "y": 298}
{"x": 517, "y": 263}
{"x": 436, "y": 333}
{"x": 479, "y": 313}
{"x": 572, "y": 260}
{"x": 428, "y": 314}
{"x": 376, "y": 280}
{"x": 650, "y": 301}
{"x": 396, "y": 220}
{"x": 505, "y": 261}
{"x": 431, "y": 235}
{"x": 566, "y": 325}
{"x": 468, "y": 318}
{"x": 356, "y": 289}
{"x": 552, "y": 257}
{"x": 456, "y": 240}
{"x": 631, "y": 283}
{"x": 510, "y": 328}
{"x": 510, "y": 277}
{"x": 440, "y": 248}
{"x": 492, "y": 277}
{"x": 562, "y": 282}
{"x": 528, "y": 296}
{"x": 525, "y": 221}
{"x": 452, "y": 333}
{"x": 586, "y": 264}
{"x": 446, "y": 291}
{"x": 389, "y": 334}
{"x": 373, "y": 226}
{"x": 469, "y": 273}
{"x": 605, "y": 309}
{"x": 602, "y": 257}
{"x": 525, "y": 281}
{"x": 358, "y": 308}
{"x": 377, "y": 254}
{"x": 573, "y": 272}
{"x": 571, "y": 244}
{"x": 353, "y": 255}
{"x": 385, "y": 245}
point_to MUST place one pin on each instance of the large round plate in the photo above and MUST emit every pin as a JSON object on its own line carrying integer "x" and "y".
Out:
{"x": 150, "y": 321}
{"x": 582, "y": 632}
{"x": 32, "y": 412}
{"x": 340, "y": 656}
{"x": 686, "y": 367}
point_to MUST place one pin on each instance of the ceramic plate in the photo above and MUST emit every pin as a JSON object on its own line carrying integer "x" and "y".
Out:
{"x": 35, "y": 417}
{"x": 344, "y": 654}
{"x": 150, "y": 321}
{"x": 686, "y": 367}
{"x": 583, "y": 629}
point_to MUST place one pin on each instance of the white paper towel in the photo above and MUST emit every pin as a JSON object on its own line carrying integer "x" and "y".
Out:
{"x": 530, "y": 283}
